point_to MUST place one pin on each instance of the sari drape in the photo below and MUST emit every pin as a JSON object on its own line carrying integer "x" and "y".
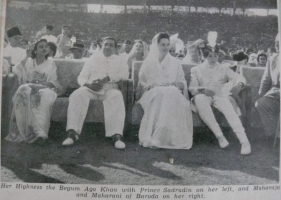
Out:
{"x": 32, "y": 103}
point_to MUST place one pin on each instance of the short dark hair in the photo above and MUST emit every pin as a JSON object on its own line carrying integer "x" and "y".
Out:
{"x": 110, "y": 38}
{"x": 33, "y": 54}
{"x": 260, "y": 55}
{"x": 163, "y": 36}
{"x": 127, "y": 42}
{"x": 53, "y": 47}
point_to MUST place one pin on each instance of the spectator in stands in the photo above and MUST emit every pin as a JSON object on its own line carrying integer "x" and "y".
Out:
{"x": 33, "y": 100}
{"x": 206, "y": 84}
{"x": 13, "y": 51}
{"x": 268, "y": 105}
{"x": 138, "y": 53}
{"x": 231, "y": 52}
{"x": 242, "y": 60}
{"x": 193, "y": 56}
{"x": 77, "y": 51}
{"x": 64, "y": 41}
{"x": 270, "y": 51}
{"x": 99, "y": 80}
{"x": 127, "y": 46}
{"x": 261, "y": 59}
{"x": 253, "y": 60}
{"x": 52, "y": 49}
{"x": 49, "y": 37}
{"x": 24, "y": 43}
{"x": 167, "y": 120}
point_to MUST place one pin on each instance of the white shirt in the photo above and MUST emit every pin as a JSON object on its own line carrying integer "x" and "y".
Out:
{"x": 213, "y": 77}
{"x": 16, "y": 54}
{"x": 98, "y": 67}
{"x": 50, "y": 38}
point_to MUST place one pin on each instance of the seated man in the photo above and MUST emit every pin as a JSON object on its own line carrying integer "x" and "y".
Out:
{"x": 207, "y": 85}
{"x": 99, "y": 81}
{"x": 269, "y": 103}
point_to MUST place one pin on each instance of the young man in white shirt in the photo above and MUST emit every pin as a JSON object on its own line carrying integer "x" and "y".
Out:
{"x": 99, "y": 81}
{"x": 207, "y": 86}
{"x": 49, "y": 37}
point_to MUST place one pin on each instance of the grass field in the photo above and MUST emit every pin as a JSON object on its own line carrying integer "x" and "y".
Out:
{"x": 95, "y": 161}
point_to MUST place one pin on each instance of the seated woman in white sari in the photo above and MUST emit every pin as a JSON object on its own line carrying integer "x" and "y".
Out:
{"x": 167, "y": 121}
{"x": 33, "y": 101}
{"x": 138, "y": 53}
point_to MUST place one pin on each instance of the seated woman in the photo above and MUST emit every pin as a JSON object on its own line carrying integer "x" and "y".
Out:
{"x": 167, "y": 121}
{"x": 33, "y": 101}
{"x": 138, "y": 53}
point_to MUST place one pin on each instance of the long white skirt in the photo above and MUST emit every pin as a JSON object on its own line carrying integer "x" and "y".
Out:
{"x": 167, "y": 121}
{"x": 31, "y": 114}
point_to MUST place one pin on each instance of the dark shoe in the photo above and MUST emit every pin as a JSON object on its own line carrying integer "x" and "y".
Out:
{"x": 39, "y": 142}
{"x": 72, "y": 137}
{"x": 118, "y": 143}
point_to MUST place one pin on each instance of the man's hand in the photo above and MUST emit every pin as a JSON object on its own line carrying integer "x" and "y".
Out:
{"x": 37, "y": 81}
{"x": 95, "y": 86}
{"x": 209, "y": 93}
{"x": 236, "y": 89}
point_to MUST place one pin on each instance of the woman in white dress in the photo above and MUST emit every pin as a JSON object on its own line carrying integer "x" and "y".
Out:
{"x": 33, "y": 100}
{"x": 167, "y": 121}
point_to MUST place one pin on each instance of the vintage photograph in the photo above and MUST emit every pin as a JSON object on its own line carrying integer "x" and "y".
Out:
{"x": 140, "y": 92}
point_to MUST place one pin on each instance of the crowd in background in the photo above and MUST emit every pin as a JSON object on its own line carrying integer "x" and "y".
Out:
{"x": 238, "y": 32}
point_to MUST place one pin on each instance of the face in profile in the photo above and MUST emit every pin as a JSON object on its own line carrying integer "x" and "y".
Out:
{"x": 212, "y": 58}
{"x": 42, "y": 49}
{"x": 164, "y": 46}
{"x": 108, "y": 47}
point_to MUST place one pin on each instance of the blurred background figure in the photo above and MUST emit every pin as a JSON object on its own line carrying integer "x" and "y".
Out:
{"x": 138, "y": 53}
{"x": 77, "y": 50}
{"x": 242, "y": 60}
{"x": 52, "y": 49}
{"x": 193, "y": 55}
{"x": 64, "y": 41}
{"x": 261, "y": 59}
{"x": 49, "y": 37}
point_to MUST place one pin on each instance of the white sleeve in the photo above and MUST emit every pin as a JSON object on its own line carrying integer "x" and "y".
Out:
{"x": 123, "y": 72}
{"x": 85, "y": 73}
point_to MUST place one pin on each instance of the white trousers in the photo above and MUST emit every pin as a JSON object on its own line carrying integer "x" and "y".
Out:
{"x": 203, "y": 104}
{"x": 114, "y": 110}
